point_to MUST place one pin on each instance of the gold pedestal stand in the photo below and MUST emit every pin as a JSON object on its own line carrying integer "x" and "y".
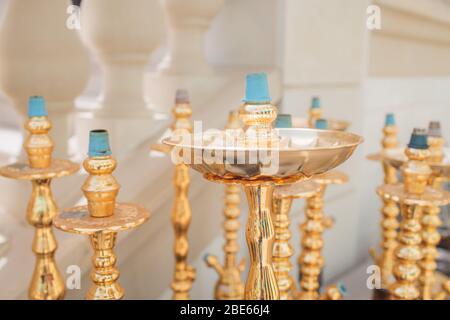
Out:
{"x": 46, "y": 282}
{"x": 414, "y": 196}
{"x": 282, "y": 249}
{"x": 259, "y": 159}
{"x": 311, "y": 260}
{"x": 229, "y": 286}
{"x": 102, "y": 218}
{"x": 184, "y": 273}
{"x": 390, "y": 210}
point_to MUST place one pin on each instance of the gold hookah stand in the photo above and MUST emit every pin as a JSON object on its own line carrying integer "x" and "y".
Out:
{"x": 102, "y": 218}
{"x": 229, "y": 286}
{"x": 184, "y": 273}
{"x": 390, "y": 211}
{"x": 311, "y": 260}
{"x": 413, "y": 196}
{"x": 431, "y": 220}
{"x": 282, "y": 248}
{"x": 46, "y": 282}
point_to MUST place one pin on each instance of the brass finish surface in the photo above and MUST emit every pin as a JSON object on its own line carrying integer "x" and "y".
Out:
{"x": 229, "y": 286}
{"x": 301, "y": 153}
{"x": 101, "y": 220}
{"x": 184, "y": 273}
{"x": 390, "y": 210}
{"x": 46, "y": 282}
{"x": 411, "y": 196}
{"x": 282, "y": 249}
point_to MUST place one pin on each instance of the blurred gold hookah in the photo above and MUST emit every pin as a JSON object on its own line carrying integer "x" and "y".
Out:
{"x": 46, "y": 282}
{"x": 310, "y": 261}
{"x": 229, "y": 286}
{"x": 102, "y": 218}
{"x": 415, "y": 254}
{"x": 390, "y": 210}
{"x": 184, "y": 273}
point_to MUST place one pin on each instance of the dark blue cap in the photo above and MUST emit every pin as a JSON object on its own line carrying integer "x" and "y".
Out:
{"x": 389, "y": 120}
{"x": 419, "y": 139}
{"x": 315, "y": 103}
{"x": 257, "y": 88}
{"x": 36, "y": 107}
{"x": 283, "y": 121}
{"x": 321, "y": 124}
{"x": 99, "y": 143}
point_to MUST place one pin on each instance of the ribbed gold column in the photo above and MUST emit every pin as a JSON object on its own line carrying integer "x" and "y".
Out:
{"x": 408, "y": 253}
{"x": 261, "y": 282}
{"x": 311, "y": 260}
{"x": 184, "y": 273}
{"x": 282, "y": 249}
{"x": 390, "y": 210}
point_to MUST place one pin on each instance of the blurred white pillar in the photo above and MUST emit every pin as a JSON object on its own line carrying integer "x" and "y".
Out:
{"x": 122, "y": 35}
{"x": 39, "y": 55}
{"x": 188, "y": 21}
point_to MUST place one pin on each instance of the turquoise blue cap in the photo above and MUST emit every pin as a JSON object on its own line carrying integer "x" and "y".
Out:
{"x": 342, "y": 289}
{"x": 257, "y": 88}
{"x": 315, "y": 103}
{"x": 419, "y": 139}
{"x": 99, "y": 143}
{"x": 283, "y": 121}
{"x": 321, "y": 124}
{"x": 36, "y": 107}
{"x": 390, "y": 120}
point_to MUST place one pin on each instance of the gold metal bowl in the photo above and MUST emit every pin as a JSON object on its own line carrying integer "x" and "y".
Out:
{"x": 300, "y": 154}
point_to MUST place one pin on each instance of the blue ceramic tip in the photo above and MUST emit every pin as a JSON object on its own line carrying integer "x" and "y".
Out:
{"x": 419, "y": 139}
{"x": 182, "y": 96}
{"x": 257, "y": 88}
{"x": 434, "y": 129}
{"x": 283, "y": 121}
{"x": 36, "y": 107}
{"x": 342, "y": 289}
{"x": 389, "y": 120}
{"x": 321, "y": 124}
{"x": 315, "y": 103}
{"x": 99, "y": 143}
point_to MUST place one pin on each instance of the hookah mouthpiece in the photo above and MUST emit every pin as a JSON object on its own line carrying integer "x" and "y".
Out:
{"x": 434, "y": 129}
{"x": 389, "y": 120}
{"x": 257, "y": 88}
{"x": 419, "y": 139}
{"x": 283, "y": 121}
{"x": 321, "y": 124}
{"x": 99, "y": 143}
{"x": 315, "y": 103}
{"x": 181, "y": 96}
{"x": 36, "y": 107}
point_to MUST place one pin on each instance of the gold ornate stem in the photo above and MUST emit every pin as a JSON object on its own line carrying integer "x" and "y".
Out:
{"x": 430, "y": 239}
{"x": 181, "y": 218}
{"x": 416, "y": 173}
{"x": 46, "y": 283}
{"x": 311, "y": 260}
{"x": 389, "y": 225}
{"x": 282, "y": 249}
{"x": 408, "y": 253}
{"x": 229, "y": 285}
{"x": 389, "y": 211}
{"x": 104, "y": 274}
{"x": 261, "y": 282}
